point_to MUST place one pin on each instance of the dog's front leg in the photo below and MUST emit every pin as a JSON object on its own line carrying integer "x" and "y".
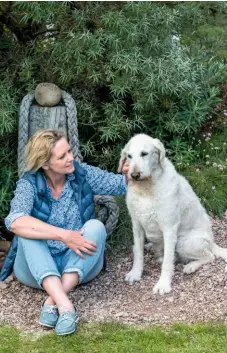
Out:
{"x": 138, "y": 248}
{"x": 170, "y": 239}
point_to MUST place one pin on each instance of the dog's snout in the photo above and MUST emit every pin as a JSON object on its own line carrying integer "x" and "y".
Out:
{"x": 135, "y": 176}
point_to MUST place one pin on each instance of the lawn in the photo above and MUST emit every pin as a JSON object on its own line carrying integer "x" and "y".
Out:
{"x": 112, "y": 338}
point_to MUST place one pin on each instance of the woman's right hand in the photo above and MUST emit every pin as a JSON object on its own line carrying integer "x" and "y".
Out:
{"x": 125, "y": 167}
{"x": 75, "y": 241}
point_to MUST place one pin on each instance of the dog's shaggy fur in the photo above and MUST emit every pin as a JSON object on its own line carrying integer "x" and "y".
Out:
{"x": 164, "y": 208}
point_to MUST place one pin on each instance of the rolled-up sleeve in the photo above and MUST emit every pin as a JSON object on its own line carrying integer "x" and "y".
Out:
{"x": 22, "y": 203}
{"x": 103, "y": 182}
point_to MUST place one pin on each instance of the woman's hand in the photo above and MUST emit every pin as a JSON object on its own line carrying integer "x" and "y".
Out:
{"x": 75, "y": 241}
{"x": 125, "y": 167}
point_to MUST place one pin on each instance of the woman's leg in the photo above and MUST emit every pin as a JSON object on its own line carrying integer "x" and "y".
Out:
{"x": 76, "y": 270}
{"x": 33, "y": 262}
{"x": 88, "y": 268}
{"x": 57, "y": 295}
{"x": 35, "y": 267}
{"x": 69, "y": 281}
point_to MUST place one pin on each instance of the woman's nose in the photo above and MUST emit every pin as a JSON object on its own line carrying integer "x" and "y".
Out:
{"x": 70, "y": 156}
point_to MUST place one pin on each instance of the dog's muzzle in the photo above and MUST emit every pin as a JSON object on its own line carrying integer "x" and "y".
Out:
{"x": 135, "y": 176}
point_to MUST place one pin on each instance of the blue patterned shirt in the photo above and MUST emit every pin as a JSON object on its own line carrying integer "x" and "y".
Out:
{"x": 64, "y": 212}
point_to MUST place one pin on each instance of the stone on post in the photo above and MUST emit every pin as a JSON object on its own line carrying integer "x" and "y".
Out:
{"x": 47, "y": 112}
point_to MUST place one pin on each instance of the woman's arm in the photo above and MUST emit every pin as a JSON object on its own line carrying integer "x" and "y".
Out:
{"x": 20, "y": 222}
{"x": 103, "y": 182}
{"x": 32, "y": 228}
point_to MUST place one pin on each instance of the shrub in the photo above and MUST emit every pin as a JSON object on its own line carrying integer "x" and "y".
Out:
{"x": 128, "y": 65}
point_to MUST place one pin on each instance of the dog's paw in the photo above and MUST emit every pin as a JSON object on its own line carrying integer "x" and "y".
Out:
{"x": 162, "y": 287}
{"x": 189, "y": 268}
{"x": 133, "y": 276}
{"x": 160, "y": 259}
{"x": 148, "y": 246}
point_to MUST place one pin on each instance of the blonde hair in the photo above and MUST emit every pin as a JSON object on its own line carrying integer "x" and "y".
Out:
{"x": 38, "y": 149}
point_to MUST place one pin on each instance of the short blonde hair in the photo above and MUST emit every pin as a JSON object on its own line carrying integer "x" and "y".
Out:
{"x": 38, "y": 149}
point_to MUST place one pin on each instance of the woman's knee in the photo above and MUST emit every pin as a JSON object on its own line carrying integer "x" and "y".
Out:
{"x": 95, "y": 230}
{"x": 28, "y": 267}
{"x": 22, "y": 271}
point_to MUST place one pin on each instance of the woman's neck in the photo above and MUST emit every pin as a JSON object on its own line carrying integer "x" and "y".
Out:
{"x": 55, "y": 180}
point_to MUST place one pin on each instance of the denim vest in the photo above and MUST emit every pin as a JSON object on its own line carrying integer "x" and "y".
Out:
{"x": 42, "y": 206}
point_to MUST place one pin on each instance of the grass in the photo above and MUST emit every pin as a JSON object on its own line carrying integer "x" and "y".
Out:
{"x": 113, "y": 338}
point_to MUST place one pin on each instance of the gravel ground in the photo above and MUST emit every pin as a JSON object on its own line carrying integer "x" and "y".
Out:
{"x": 197, "y": 297}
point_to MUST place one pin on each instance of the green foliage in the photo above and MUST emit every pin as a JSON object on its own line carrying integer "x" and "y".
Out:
{"x": 131, "y": 67}
{"x": 181, "y": 152}
{"x": 121, "y": 238}
{"x": 210, "y": 184}
{"x": 9, "y": 108}
{"x": 115, "y": 337}
{"x": 209, "y": 35}
{"x": 207, "y": 172}
{"x": 8, "y": 171}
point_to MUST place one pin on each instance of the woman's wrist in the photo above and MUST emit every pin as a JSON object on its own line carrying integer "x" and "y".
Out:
{"x": 62, "y": 234}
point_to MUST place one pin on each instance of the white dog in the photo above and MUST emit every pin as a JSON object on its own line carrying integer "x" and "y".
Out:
{"x": 165, "y": 209}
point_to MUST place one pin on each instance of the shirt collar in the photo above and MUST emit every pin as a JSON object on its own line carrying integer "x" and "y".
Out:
{"x": 70, "y": 176}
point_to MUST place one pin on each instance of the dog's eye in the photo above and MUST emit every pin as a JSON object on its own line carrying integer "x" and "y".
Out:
{"x": 129, "y": 156}
{"x": 143, "y": 154}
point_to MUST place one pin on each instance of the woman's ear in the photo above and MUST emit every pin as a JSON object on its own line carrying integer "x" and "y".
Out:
{"x": 45, "y": 166}
{"x": 161, "y": 149}
{"x": 123, "y": 157}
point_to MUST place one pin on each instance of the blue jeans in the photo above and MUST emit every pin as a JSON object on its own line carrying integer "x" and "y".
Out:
{"x": 34, "y": 262}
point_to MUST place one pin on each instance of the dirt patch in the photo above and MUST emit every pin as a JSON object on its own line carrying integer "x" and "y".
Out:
{"x": 197, "y": 297}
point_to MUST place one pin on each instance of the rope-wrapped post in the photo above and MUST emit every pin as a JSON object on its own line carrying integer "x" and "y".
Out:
{"x": 23, "y": 129}
{"x": 108, "y": 212}
{"x": 72, "y": 130}
{"x": 62, "y": 116}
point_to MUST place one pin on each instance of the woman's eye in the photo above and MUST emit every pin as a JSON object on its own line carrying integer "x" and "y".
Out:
{"x": 144, "y": 154}
{"x": 129, "y": 156}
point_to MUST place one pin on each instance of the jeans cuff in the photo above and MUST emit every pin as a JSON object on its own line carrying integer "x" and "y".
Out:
{"x": 73, "y": 269}
{"x": 47, "y": 274}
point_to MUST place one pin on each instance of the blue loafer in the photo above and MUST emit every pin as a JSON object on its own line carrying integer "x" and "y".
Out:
{"x": 49, "y": 315}
{"x": 67, "y": 322}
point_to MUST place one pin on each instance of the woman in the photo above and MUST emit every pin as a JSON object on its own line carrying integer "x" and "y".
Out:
{"x": 60, "y": 243}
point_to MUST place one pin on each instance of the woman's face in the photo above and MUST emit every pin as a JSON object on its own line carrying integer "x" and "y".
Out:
{"x": 61, "y": 160}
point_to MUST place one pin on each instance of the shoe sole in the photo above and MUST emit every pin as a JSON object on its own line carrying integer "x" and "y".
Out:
{"x": 46, "y": 325}
{"x": 64, "y": 334}
{"x": 68, "y": 333}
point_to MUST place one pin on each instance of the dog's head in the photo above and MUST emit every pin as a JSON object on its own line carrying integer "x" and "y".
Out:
{"x": 144, "y": 155}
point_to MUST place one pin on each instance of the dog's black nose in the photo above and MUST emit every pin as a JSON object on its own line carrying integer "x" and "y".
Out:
{"x": 135, "y": 176}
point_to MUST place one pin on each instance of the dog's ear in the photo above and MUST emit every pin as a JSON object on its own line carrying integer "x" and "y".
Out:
{"x": 123, "y": 157}
{"x": 161, "y": 149}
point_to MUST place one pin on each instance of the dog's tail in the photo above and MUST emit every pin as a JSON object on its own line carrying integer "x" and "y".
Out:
{"x": 220, "y": 253}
